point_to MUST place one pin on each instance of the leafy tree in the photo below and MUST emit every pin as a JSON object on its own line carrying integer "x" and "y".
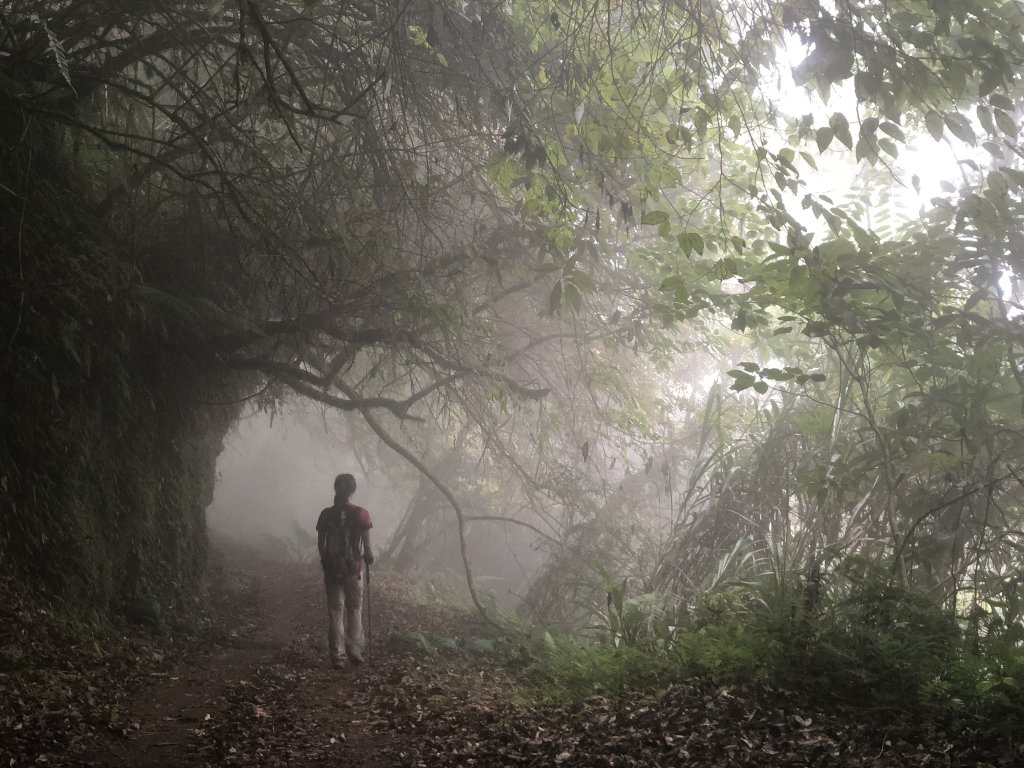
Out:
{"x": 468, "y": 215}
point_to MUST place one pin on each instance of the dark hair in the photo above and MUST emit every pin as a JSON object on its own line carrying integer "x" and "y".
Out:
{"x": 344, "y": 487}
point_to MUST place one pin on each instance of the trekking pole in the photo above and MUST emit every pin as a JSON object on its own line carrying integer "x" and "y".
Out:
{"x": 369, "y": 615}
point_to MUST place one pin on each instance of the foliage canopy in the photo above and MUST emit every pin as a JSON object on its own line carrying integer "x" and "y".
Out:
{"x": 507, "y": 226}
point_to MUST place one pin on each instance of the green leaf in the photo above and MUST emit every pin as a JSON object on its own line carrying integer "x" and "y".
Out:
{"x": 866, "y": 241}
{"x": 735, "y": 125}
{"x": 1001, "y": 101}
{"x": 841, "y": 127}
{"x": 418, "y": 35}
{"x": 555, "y": 299}
{"x": 1017, "y": 177}
{"x": 976, "y": 297}
{"x": 998, "y": 183}
{"x": 889, "y": 147}
{"x": 893, "y": 130}
{"x": 725, "y": 268}
{"x": 573, "y": 297}
{"x": 684, "y": 243}
{"x": 1006, "y": 123}
{"x": 654, "y": 217}
{"x": 760, "y": 386}
{"x": 985, "y": 118}
{"x": 865, "y": 148}
{"x": 690, "y": 242}
{"x": 672, "y": 284}
{"x": 824, "y": 137}
{"x": 582, "y": 281}
{"x": 933, "y": 122}
{"x": 832, "y": 251}
{"x": 660, "y": 96}
{"x": 866, "y": 85}
{"x": 960, "y": 128}
{"x": 992, "y": 79}
{"x": 744, "y": 381}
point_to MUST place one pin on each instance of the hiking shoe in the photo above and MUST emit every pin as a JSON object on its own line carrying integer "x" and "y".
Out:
{"x": 354, "y": 659}
{"x": 338, "y": 663}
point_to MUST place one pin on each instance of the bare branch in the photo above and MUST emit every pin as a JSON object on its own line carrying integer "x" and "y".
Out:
{"x": 398, "y": 448}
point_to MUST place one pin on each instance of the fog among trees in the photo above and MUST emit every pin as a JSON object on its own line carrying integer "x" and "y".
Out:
{"x": 635, "y": 321}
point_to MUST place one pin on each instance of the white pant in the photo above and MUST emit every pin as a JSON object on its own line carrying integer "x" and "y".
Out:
{"x": 344, "y": 615}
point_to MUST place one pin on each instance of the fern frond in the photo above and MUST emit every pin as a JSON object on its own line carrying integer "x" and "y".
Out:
{"x": 56, "y": 49}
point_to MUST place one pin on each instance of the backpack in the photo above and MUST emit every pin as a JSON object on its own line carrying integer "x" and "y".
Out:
{"x": 340, "y": 541}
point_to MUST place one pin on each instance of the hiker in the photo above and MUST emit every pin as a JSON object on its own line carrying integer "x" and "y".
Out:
{"x": 343, "y": 538}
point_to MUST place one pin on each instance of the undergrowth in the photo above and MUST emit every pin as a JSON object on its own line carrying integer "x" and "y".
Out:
{"x": 873, "y": 645}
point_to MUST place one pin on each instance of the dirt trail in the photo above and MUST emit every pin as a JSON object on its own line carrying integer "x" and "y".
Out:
{"x": 206, "y": 709}
{"x": 268, "y": 697}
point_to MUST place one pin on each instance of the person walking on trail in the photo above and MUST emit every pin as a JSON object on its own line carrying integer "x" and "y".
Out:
{"x": 343, "y": 538}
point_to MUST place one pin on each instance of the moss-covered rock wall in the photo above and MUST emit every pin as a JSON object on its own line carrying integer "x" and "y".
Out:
{"x": 112, "y": 410}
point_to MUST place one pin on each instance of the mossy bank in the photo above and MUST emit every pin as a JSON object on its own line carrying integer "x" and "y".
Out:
{"x": 112, "y": 412}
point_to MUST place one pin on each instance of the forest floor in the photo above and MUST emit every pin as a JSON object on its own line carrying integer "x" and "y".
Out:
{"x": 259, "y": 692}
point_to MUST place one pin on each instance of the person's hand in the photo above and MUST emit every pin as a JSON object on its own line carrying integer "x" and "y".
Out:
{"x": 369, "y": 558}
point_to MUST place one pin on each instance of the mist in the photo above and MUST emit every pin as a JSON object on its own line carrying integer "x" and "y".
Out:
{"x": 277, "y": 472}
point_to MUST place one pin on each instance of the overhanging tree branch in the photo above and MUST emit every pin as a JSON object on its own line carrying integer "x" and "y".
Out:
{"x": 460, "y": 516}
